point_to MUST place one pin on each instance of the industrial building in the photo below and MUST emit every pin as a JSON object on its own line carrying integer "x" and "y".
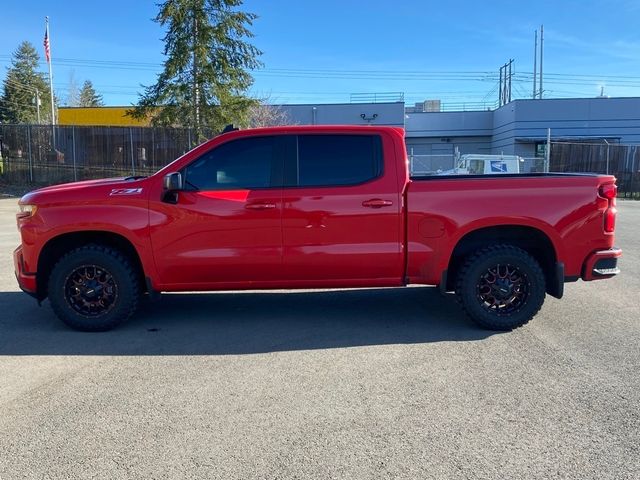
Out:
{"x": 518, "y": 128}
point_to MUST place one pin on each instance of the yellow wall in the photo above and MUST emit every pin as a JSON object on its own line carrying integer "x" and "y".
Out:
{"x": 98, "y": 116}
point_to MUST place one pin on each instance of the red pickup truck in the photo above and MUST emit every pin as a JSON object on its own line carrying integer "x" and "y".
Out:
{"x": 313, "y": 207}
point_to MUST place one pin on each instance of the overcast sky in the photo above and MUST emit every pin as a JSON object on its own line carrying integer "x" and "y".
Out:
{"x": 324, "y": 50}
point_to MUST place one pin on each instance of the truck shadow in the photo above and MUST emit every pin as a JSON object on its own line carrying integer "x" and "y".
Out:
{"x": 245, "y": 323}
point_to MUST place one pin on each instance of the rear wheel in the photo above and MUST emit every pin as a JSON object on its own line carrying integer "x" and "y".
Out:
{"x": 93, "y": 288}
{"x": 501, "y": 287}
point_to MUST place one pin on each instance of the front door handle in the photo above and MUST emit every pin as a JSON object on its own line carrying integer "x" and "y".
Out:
{"x": 377, "y": 203}
{"x": 260, "y": 206}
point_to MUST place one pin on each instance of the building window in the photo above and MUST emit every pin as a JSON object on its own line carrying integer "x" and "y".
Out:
{"x": 541, "y": 148}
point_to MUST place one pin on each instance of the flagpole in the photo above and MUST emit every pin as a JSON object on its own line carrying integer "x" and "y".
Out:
{"x": 53, "y": 112}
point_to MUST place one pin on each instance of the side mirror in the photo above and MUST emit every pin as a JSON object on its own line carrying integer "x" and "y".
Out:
{"x": 172, "y": 182}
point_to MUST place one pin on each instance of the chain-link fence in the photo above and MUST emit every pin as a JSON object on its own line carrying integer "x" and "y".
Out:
{"x": 431, "y": 164}
{"x": 451, "y": 164}
{"x": 622, "y": 161}
{"x": 42, "y": 155}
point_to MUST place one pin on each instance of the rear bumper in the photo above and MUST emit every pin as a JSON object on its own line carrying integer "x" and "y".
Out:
{"x": 601, "y": 264}
{"x": 26, "y": 280}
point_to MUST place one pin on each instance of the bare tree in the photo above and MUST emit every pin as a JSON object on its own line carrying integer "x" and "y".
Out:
{"x": 73, "y": 97}
{"x": 266, "y": 114}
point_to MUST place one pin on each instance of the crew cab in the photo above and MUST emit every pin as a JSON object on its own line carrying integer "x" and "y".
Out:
{"x": 313, "y": 207}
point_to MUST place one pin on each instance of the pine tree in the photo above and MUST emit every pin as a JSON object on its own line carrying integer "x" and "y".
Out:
{"x": 22, "y": 82}
{"x": 205, "y": 75}
{"x": 89, "y": 97}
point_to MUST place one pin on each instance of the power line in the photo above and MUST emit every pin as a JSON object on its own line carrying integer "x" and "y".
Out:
{"x": 333, "y": 72}
{"x": 437, "y": 74}
{"x": 21, "y": 85}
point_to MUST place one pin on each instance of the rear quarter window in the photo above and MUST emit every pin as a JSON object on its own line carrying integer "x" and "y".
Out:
{"x": 338, "y": 160}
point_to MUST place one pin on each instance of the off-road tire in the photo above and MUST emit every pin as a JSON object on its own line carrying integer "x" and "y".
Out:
{"x": 122, "y": 279}
{"x": 473, "y": 273}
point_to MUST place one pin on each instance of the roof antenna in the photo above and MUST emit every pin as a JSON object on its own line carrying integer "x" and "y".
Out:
{"x": 230, "y": 128}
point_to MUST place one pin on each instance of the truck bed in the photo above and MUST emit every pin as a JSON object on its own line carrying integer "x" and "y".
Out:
{"x": 502, "y": 175}
{"x": 565, "y": 207}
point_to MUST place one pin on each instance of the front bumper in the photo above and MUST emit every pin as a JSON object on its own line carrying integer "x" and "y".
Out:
{"x": 26, "y": 280}
{"x": 601, "y": 264}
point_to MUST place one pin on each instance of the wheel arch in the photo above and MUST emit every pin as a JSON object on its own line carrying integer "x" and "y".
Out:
{"x": 61, "y": 244}
{"x": 531, "y": 239}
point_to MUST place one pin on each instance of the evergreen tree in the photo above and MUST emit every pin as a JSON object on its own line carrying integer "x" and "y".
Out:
{"x": 18, "y": 102}
{"x": 89, "y": 97}
{"x": 205, "y": 74}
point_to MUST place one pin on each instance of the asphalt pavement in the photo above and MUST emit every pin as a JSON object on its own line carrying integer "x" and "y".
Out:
{"x": 384, "y": 383}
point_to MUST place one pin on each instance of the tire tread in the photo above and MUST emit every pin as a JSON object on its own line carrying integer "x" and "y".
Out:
{"x": 133, "y": 286}
{"x": 501, "y": 248}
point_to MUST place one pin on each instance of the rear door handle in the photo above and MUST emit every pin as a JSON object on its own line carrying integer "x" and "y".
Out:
{"x": 377, "y": 203}
{"x": 260, "y": 206}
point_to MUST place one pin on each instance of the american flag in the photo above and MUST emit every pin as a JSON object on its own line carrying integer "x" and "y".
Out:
{"x": 47, "y": 49}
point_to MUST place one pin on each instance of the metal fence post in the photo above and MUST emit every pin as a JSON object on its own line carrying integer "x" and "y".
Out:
{"x": 605, "y": 141}
{"x": 153, "y": 148}
{"x": 411, "y": 162}
{"x": 133, "y": 165}
{"x": 547, "y": 154}
{"x": 29, "y": 150}
{"x": 73, "y": 151}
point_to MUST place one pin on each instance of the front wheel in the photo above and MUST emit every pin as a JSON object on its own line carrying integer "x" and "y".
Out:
{"x": 501, "y": 287}
{"x": 93, "y": 288}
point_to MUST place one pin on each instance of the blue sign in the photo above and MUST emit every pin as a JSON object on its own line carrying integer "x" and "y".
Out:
{"x": 498, "y": 166}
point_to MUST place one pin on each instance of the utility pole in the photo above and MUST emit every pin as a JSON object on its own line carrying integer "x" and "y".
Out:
{"x": 541, "y": 53}
{"x": 500, "y": 90}
{"x": 38, "y": 102}
{"x": 38, "y": 105}
{"x": 506, "y": 73}
{"x": 504, "y": 88}
{"x": 510, "y": 63}
{"x": 535, "y": 59}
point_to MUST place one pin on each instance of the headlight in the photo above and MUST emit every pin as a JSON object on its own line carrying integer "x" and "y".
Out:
{"x": 27, "y": 211}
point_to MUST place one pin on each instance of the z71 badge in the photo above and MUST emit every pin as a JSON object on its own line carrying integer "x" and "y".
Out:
{"x": 126, "y": 191}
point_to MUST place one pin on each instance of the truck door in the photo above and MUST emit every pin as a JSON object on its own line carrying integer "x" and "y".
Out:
{"x": 226, "y": 224}
{"x": 341, "y": 211}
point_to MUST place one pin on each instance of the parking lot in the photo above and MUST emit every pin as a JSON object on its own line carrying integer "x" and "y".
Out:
{"x": 384, "y": 383}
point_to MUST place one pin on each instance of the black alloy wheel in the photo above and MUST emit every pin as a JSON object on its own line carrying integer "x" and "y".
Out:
{"x": 91, "y": 290}
{"x": 94, "y": 288}
{"x": 501, "y": 287}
